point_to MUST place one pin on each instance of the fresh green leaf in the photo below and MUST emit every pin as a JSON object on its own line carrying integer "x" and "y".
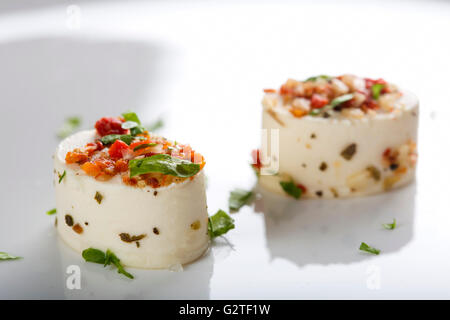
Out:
{"x": 94, "y": 255}
{"x": 165, "y": 164}
{"x": 69, "y": 126}
{"x": 133, "y": 123}
{"x": 7, "y": 256}
{"x": 112, "y": 258}
{"x": 51, "y": 212}
{"x": 341, "y": 99}
{"x": 98, "y": 256}
{"x": 61, "y": 177}
{"x": 111, "y": 138}
{"x": 376, "y": 90}
{"x": 315, "y": 112}
{"x": 131, "y": 116}
{"x": 129, "y": 124}
{"x": 144, "y": 145}
{"x": 239, "y": 198}
{"x": 155, "y": 126}
{"x": 365, "y": 247}
{"x": 315, "y": 78}
{"x": 291, "y": 189}
{"x": 219, "y": 224}
{"x": 390, "y": 226}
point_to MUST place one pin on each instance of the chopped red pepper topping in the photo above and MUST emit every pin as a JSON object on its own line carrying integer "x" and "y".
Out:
{"x": 318, "y": 101}
{"x": 118, "y": 149}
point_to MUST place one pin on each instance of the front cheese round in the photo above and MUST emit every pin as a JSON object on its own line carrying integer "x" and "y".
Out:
{"x": 145, "y": 227}
{"x": 338, "y": 155}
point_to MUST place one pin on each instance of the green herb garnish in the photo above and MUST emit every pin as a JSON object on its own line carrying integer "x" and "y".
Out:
{"x": 108, "y": 258}
{"x": 314, "y": 112}
{"x": 291, "y": 189}
{"x": 376, "y": 90}
{"x": 6, "y": 256}
{"x": 239, "y": 198}
{"x": 156, "y": 125}
{"x": 341, "y": 99}
{"x": 315, "y": 78}
{"x": 131, "y": 116}
{"x": 111, "y": 138}
{"x": 219, "y": 224}
{"x": 144, "y": 145}
{"x": 51, "y": 212}
{"x": 133, "y": 123}
{"x": 69, "y": 126}
{"x": 365, "y": 247}
{"x": 61, "y": 176}
{"x": 390, "y": 226}
{"x": 165, "y": 164}
{"x": 98, "y": 197}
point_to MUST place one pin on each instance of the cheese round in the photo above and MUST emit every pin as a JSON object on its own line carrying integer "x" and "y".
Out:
{"x": 145, "y": 227}
{"x": 346, "y": 153}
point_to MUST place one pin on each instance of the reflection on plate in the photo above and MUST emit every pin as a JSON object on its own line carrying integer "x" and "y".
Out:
{"x": 330, "y": 231}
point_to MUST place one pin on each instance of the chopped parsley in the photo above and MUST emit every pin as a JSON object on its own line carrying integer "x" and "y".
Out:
{"x": 111, "y": 138}
{"x": 51, "y": 212}
{"x": 98, "y": 197}
{"x": 219, "y": 224}
{"x": 341, "y": 99}
{"x": 61, "y": 176}
{"x": 390, "y": 226}
{"x": 365, "y": 247}
{"x": 349, "y": 151}
{"x": 144, "y": 145}
{"x": 108, "y": 258}
{"x": 238, "y": 198}
{"x": 376, "y": 90}
{"x": 6, "y": 256}
{"x": 291, "y": 189}
{"x": 69, "y": 126}
{"x": 165, "y": 164}
{"x": 315, "y": 78}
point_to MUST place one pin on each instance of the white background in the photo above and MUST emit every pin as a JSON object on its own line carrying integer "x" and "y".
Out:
{"x": 202, "y": 65}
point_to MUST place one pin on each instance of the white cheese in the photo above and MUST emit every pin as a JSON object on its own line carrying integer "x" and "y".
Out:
{"x": 164, "y": 215}
{"x": 309, "y": 149}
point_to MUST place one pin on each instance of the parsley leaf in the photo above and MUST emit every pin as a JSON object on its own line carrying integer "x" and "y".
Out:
{"x": 238, "y": 198}
{"x": 219, "y": 224}
{"x": 112, "y": 258}
{"x": 390, "y": 226}
{"x": 365, "y": 247}
{"x": 69, "y": 126}
{"x": 6, "y": 256}
{"x": 291, "y": 189}
{"x": 111, "y": 138}
{"x": 314, "y": 112}
{"x": 50, "y": 212}
{"x": 61, "y": 176}
{"x": 315, "y": 78}
{"x": 341, "y": 99}
{"x": 98, "y": 256}
{"x": 94, "y": 255}
{"x": 131, "y": 116}
{"x": 164, "y": 164}
{"x": 133, "y": 123}
{"x": 144, "y": 145}
{"x": 376, "y": 90}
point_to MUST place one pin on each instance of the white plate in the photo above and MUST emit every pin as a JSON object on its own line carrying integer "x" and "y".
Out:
{"x": 202, "y": 67}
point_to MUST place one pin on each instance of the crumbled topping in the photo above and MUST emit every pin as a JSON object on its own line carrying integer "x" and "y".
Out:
{"x": 347, "y": 95}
